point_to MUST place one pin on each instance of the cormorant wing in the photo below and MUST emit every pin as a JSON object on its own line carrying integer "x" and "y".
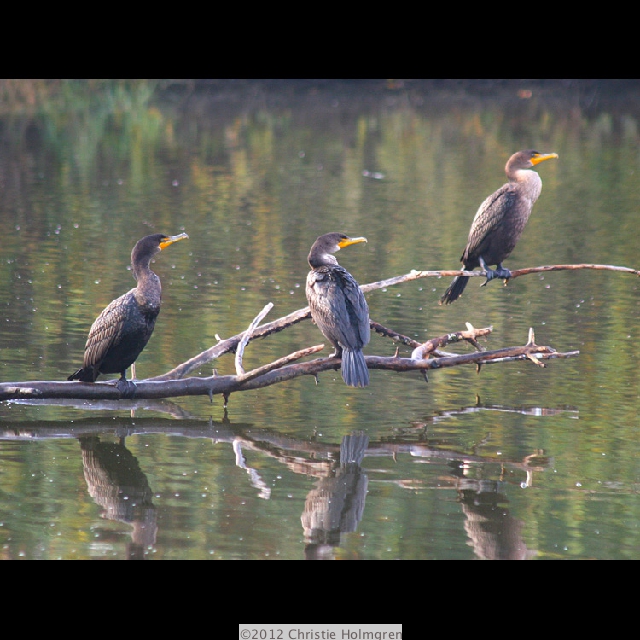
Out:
{"x": 106, "y": 330}
{"x": 357, "y": 309}
{"x": 489, "y": 217}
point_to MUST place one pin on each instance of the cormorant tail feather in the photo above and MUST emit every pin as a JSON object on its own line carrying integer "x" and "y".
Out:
{"x": 354, "y": 368}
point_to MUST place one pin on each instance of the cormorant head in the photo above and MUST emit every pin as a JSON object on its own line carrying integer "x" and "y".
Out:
{"x": 148, "y": 246}
{"x": 526, "y": 159}
{"x": 325, "y": 246}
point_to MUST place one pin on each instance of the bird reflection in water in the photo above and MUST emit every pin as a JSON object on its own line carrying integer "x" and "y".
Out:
{"x": 118, "y": 485}
{"x": 336, "y": 505}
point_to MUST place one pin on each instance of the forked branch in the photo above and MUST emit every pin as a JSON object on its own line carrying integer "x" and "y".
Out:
{"x": 231, "y": 344}
{"x": 280, "y": 371}
{"x": 425, "y": 356}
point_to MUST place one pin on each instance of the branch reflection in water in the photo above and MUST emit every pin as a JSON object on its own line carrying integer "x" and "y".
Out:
{"x": 334, "y": 506}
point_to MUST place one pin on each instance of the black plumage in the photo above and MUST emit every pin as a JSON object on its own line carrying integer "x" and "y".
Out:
{"x": 338, "y": 306}
{"x": 122, "y": 330}
{"x": 500, "y": 221}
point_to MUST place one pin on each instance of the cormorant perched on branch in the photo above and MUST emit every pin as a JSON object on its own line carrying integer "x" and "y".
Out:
{"x": 500, "y": 220}
{"x": 338, "y": 306}
{"x": 124, "y": 327}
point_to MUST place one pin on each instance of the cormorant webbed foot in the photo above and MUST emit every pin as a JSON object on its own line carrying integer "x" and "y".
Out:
{"x": 502, "y": 272}
{"x": 499, "y": 272}
{"x": 127, "y": 388}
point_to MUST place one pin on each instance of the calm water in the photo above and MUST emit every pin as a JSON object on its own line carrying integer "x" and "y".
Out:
{"x": 516, "y": 462}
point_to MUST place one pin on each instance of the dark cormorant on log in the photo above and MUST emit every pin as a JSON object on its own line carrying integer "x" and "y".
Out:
{"x": 338, "y": 306}
{"x": 500, "y": 220}
{"x": 124, "y": 327}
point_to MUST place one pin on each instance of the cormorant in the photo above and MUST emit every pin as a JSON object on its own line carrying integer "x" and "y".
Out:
{"x": 500, "y": 220}
{"x": 338, "y": 306}
{"x": 124, "y": 327}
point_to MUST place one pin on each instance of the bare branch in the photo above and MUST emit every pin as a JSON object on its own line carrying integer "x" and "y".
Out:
{"x": 268, "y": 375}
{"x": 246, "y": 336}
{"x": 571, "y": 267}
{"x": 281, "y": 362}
{"x": 231, "y": 344}
{"x": 470, "y": 335}
{"x": 396, "y": 337}
{"x": 425, "y": 356}
{"x": 515, "y": 273}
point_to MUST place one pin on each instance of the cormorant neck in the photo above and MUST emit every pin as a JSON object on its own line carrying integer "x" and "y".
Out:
{"x": 142, "y": 271}
{"x": 523, "y": 175}
{"x": 317, "y": 260}
{"x": 148, "y": 292}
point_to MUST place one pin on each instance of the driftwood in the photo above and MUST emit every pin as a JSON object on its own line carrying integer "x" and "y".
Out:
{"x": 231, "y": 344}
{"x": 282, "y": 370}
{"x": 515, "y": 273}
{"x": 426, "y": 356}
{"x": 285, "y": 369}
